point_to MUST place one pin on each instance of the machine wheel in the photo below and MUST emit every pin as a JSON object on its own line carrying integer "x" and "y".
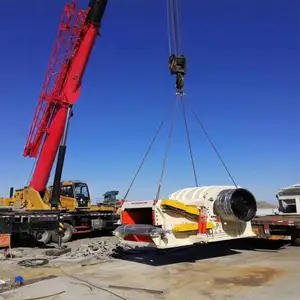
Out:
{"x": 44, "y": 237}
{"x": 68, "y": 234}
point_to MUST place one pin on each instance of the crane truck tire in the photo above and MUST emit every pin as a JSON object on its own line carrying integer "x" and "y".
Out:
{"x": 295, "y": 237}
{"x": 67, "y": 236}
{"x": 44, "y": 237}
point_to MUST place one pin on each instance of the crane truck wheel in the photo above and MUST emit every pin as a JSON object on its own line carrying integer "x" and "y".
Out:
{"x": 295, "y": 237}
{"x": 68, "y": 234}
{"x": 44, "y": 237}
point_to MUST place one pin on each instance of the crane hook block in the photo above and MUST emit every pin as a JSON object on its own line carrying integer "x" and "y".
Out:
{"x": 179, "y": 82}
{"x": 177, "y": 64}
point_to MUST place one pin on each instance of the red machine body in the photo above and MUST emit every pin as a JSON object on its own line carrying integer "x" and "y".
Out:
{"x": 61, "y": 88}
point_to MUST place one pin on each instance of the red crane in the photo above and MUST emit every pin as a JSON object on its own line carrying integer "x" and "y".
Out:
{"x": 75, "y": 39}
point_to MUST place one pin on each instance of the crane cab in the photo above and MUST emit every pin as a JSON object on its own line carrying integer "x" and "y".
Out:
{"x": 74, "y": 194}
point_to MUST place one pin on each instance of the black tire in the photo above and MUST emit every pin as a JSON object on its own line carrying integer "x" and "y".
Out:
{"x": 33, "y": 262}
{"x": 295, "y": 237}
{"x": 296, "y": 242}
{"x": 44, "y": 237}
{"x": 68, "y": 234}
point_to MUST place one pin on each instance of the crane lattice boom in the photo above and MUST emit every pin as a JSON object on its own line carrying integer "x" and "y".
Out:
{"x": 75, "y": 39}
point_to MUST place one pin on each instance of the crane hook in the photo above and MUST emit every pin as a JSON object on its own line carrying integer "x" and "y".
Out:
{"x": 177, "y": 66}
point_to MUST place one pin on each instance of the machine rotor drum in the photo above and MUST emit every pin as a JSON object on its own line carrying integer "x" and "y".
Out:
{"x": 235, "y": 205}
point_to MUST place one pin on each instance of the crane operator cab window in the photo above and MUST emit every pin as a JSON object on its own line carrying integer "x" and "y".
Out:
{"x": 82, "y": 194}
{"x": 67, "y": 191}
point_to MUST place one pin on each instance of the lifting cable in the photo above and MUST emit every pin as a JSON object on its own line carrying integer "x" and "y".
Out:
{"x": 189, "y": 140}
{"x": 167, "y": 150}
{"x": 174, "y": 26}
{"x": 177, "y": 61}
{"x": 149, "y": 149}
{"x": 177, "y": 66}
{"x": 212, "y": 144}
{"x": 179, "y": 98}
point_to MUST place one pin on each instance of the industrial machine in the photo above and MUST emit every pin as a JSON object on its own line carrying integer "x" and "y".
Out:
{"x": 189, "y": 216}
{"x": 192, "y": 215}
{"x": 110, "y": 197}
{"x": 70, "y": 200}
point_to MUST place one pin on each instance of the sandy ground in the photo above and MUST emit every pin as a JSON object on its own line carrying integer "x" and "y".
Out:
{"x": 243, "y": 269}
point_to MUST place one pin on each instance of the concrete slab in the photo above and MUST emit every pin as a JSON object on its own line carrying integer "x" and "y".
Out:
{"x": 69, "y": 288}
{"x": 219, "y": 271}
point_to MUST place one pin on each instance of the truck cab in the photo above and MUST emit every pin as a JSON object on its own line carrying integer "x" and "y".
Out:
{"x": 289, "y": 199}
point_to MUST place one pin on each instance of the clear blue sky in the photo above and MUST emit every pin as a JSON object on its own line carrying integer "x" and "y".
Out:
{"x": 243, "y": 80}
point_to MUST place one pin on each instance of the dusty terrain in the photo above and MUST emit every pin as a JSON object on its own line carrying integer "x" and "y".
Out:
{"x": 244, "y": 269}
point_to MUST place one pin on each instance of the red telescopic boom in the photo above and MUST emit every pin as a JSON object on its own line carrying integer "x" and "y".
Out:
{"x": 61, "y": 88}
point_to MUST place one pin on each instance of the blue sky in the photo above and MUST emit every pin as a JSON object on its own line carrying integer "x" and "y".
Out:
{"x": 243, "y": 80}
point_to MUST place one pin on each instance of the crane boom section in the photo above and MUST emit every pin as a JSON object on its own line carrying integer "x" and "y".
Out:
{"x": 61, "y": 88}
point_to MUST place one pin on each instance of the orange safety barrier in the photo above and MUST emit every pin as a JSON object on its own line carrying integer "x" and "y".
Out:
{"x": 5, "y": 240}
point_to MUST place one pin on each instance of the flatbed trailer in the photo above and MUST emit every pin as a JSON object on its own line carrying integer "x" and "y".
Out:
{"x": 285, "y": 224}
{"x": 43, "y": 224}
{"x": 278, "y": 226}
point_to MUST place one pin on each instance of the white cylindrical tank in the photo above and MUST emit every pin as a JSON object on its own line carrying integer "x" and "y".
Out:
{"x": 228, "y": 202}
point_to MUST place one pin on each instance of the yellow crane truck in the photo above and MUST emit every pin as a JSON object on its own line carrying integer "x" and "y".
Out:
{"x": 78, "y": 214}
{"x": 36, "y": 209}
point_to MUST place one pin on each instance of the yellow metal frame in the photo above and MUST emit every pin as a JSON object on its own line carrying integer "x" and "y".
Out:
{"x": 190, "y": 227}
{"x": 190, "y": 209}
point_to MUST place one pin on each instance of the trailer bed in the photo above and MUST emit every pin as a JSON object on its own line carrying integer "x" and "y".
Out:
{"x": 32, "y": 222}
{"x": 281, "y": 226}
{"x": 19, "y": 221}
{"x": 282, "y": 219}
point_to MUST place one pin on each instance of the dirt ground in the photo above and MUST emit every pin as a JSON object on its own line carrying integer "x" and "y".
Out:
{"x": 242, "y": 269}
{"x": 9, "y": 267}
